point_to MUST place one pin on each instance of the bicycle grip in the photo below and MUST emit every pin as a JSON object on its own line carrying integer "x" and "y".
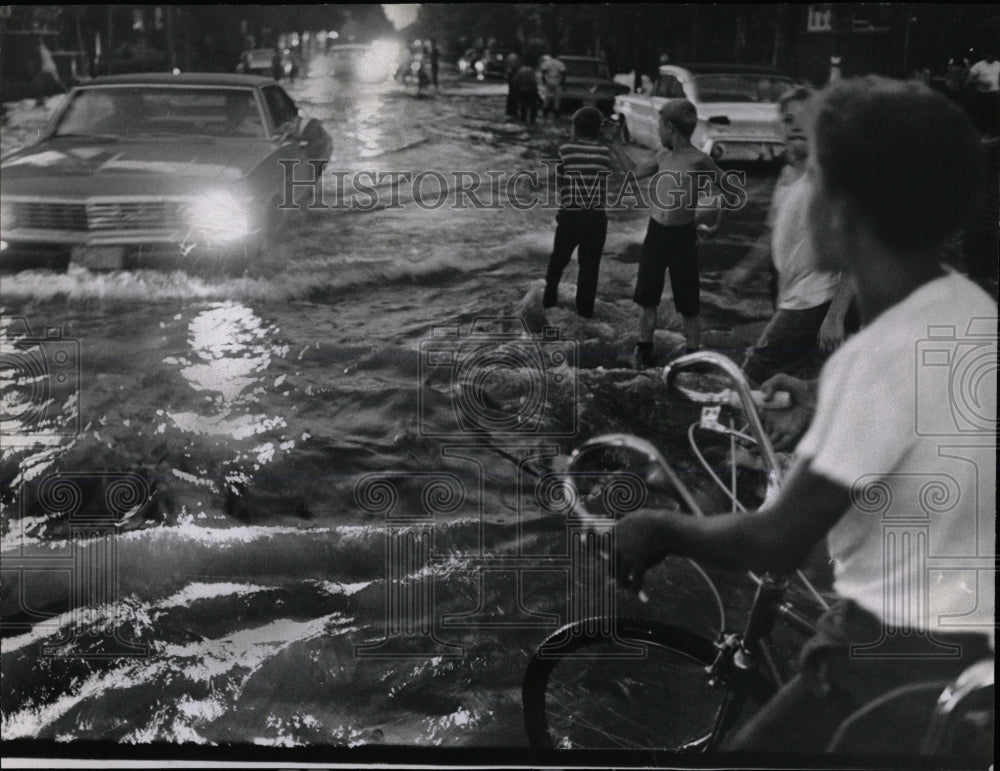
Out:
{"x": 780, "y": 400}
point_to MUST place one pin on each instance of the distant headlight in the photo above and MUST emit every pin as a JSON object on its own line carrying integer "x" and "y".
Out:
{"x": 220, "y": 216}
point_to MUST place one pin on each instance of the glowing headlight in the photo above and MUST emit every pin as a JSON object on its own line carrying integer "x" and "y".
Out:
{"x": 220, "y": 216}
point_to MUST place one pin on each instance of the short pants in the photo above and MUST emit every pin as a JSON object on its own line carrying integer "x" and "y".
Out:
{"x": 674, "y": 247}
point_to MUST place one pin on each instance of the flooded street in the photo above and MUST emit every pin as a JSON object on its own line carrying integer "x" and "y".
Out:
{"x": 329, "y": 551}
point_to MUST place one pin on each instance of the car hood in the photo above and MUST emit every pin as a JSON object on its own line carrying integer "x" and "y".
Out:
{"x": 73, "y": 167}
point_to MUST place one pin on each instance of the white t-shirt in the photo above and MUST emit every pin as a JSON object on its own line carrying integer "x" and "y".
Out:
{"x": 906, "y": 419}
{"x": 985, "y": 77}
{"x": 552, "y": 72}
{"x": 800, "y": 285}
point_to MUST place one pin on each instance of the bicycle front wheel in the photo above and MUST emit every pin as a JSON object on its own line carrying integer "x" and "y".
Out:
{"x": 623, "y": 684}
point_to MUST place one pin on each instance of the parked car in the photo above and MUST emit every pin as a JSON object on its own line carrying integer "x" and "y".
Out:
{"x": 132, "y": 165}
{"x": 482, "y": 64}
{"x": 588, "y": 82}
{"x": 260, "y": 61}
{"x": 346, "y": 57}
{"x": 738, "y": 115}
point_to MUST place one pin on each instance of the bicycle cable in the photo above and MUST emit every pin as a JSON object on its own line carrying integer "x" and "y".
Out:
{"x": 731, "y": 494}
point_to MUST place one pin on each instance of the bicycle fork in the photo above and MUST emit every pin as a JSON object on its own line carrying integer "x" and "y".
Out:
{"x": 739, "y": 657}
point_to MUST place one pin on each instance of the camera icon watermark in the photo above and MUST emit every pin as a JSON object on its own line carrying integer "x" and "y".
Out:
{"x": 936, "y": 536}
{"x": 70, "y": 587}
{"x": 39, "y": 383}
{"x": 499, "y": 379}
{"x": 961, "y": 363}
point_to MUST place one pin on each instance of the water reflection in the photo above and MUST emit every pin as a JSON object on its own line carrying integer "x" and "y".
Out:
{"x": 231, "y": 354}
{"x": 365, "y": 122}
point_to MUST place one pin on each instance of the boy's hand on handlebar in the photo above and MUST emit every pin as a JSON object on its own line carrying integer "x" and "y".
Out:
{"x": 785, "y": 427}
{"x": 639, "y": 545}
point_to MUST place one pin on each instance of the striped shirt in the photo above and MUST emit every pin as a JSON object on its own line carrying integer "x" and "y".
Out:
{"x": 582, "y": 175}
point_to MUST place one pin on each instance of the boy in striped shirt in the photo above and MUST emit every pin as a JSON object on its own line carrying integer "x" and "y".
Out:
{"x": 582, "y": 177}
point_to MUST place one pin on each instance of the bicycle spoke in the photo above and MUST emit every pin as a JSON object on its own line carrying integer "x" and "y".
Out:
{"x": 659, "y": 702}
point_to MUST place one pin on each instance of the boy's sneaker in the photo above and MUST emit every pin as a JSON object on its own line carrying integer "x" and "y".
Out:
{"x": 642, "y": 356}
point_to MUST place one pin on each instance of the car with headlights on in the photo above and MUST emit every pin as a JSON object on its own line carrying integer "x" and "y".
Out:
{"x": 738, "y": 115}
{"x": 589, "y": 82}
{"x": 130, "y": 166}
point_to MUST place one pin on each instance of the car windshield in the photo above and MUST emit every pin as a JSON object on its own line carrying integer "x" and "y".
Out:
{"x": 586, "y": 69}
{"x": 740, "y": 87}
{"x": 162, "y": 111}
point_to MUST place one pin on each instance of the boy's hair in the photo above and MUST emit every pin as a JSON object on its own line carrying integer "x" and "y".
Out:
{"x": 587, "y": 122}
{"x": 682, "y": 114}
{"x": 904, "y": 154}
{"x": 796, "y": 94}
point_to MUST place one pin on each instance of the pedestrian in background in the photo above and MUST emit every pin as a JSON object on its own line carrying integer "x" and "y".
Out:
{"x": 984, "y": 77}
{"x": 581, "y": 224}
{"x": 513, "y": 64}
{"x": 48, "y": 73}
{"x": 435, "y": 57}
{"x": 526, "y": 86}
{"x": 553, "y": 74}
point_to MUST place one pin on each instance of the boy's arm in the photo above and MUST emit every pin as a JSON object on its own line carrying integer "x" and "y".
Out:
{"x": 831, "y": 332}
{"x": 776, "y": 538}
{"x": 625, "y": 162}
{"x": 709, "y": 218}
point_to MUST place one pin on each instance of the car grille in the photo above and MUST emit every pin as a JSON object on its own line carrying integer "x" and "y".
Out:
{"x": 50, "y": 216}
{"x": 97, "y": 217}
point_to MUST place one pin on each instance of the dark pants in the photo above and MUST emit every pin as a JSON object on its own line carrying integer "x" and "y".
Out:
{"x": 981, "y": 247}
{"x": 788, "y": 343}
{"x": 986, "y": 111}
{"x": 586, "y": 230}
{"x": 527, "y": 105}
{"x": 853, "y": 659}
{"x": 511, "y": 99}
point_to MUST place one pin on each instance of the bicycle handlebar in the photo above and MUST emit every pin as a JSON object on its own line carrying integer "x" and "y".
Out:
{"x": 745, "y": 394}
{"x": 641, "y": 446}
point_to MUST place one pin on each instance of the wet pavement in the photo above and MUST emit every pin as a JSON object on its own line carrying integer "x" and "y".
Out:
{"x": 289, "y": 421}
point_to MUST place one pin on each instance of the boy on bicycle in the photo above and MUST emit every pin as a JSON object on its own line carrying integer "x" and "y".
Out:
{"x": 895, "y": 169}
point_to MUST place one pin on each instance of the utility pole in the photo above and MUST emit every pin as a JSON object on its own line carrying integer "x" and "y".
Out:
{"x": 780, "y": 24}
{"x": 171, "y": 43}
{"x": 107, "y": 53}
{"x": 906, "y": 38}
{"x": 694, "y": 32}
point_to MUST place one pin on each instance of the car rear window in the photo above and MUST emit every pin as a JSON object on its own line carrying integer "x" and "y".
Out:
{"x": 586, "y": 69}
{"x": 740, "y": 88}
{"x": 169, "y": 110}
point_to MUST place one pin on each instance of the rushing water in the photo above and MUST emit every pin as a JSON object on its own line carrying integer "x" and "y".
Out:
{"x": 321, "y": 532}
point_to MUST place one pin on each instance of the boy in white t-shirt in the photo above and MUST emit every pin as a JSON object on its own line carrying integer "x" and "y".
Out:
{"x": 898, "y": 469}
{"x": 984, "y": 78}
{"x": 811, "y": 304}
